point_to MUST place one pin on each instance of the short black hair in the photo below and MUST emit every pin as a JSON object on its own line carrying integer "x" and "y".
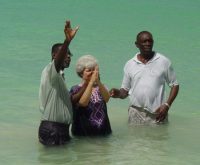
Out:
{"x": 55, "y": 47}
{"x": 142, "y": 32}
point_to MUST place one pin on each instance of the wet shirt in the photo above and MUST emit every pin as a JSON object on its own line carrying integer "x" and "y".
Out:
{"x": 54, "y": 98}
{"x": 146, "y": 82}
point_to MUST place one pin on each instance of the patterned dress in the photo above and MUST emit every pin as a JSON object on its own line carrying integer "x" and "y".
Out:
{"x": 93, "y": 119}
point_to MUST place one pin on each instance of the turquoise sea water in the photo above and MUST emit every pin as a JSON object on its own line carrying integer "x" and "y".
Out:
{"x": 107, "y": 31}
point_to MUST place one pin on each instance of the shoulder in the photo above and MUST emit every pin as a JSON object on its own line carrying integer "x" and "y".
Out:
{"x": 49, "y": 67}
{"x": 161, "y": 57}
{"x": 50, "y": 72}
{"x": 165, "y": 61}
{"x": 46, "y": 70}
{"x": 74, "y": 89}
{"x": 131, "y": 61}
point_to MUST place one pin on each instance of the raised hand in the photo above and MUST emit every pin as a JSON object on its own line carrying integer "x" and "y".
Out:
{"x": 69, "y": 32}
{"x": 95, "y": 76}
{"x": 96, "y": 72}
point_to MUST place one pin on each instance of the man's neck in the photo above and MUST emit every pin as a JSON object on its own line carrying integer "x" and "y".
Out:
{"x": 144, "y": 58}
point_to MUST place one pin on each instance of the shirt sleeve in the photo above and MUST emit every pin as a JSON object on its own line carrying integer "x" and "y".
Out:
{"x": 126, "y": 82}
{"x": 74, "y": 90}
{"x": 53, "y": 74}
{"x": 171, "y": 76}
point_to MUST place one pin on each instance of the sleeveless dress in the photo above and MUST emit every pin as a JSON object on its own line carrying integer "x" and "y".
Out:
{"x": 92, "y": 119}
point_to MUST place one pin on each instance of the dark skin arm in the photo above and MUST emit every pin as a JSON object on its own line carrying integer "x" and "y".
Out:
{"x": 163, "y": 109}
{"x": 118, "y": 93}
{"x": 69, "y": 35}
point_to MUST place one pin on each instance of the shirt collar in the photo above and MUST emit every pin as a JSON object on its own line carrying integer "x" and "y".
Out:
{"x": 61, "y": 72}
{"x": 155, "y": 57}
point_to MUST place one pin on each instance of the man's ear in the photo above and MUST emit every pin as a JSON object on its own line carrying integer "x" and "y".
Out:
{"x": 53, "y": 56}
{"x": 136, "y": 44}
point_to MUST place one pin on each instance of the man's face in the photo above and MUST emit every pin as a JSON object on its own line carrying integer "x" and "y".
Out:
{"x": 67, "y": 58}
{"x": 145, "y": 43}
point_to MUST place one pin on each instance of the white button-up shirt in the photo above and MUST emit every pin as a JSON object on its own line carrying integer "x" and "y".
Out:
{"x": 146, "y": 82}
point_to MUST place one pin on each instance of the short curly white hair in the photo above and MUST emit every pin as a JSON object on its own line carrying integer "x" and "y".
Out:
{"x": 86, "y": 61}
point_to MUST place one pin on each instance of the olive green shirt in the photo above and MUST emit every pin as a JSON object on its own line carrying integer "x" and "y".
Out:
{"x": 54, "y": 98}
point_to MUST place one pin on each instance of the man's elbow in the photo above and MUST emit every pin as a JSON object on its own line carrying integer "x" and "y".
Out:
{"x": 176, "y": 87}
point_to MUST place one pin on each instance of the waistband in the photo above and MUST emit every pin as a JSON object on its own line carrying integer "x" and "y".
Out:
{"x": 53, "y": 123}
{"x": 143, "y": 110}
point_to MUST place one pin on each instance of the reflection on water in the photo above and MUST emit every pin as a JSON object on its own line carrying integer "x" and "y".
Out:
{"x": 173, "y": 143}
{"x": 138, "y": 144}
{"x": 55, "y": 155}
{"x": 152, "y": 132}
{"x": 141, "y": 144}
{"x": 82, "y": 150}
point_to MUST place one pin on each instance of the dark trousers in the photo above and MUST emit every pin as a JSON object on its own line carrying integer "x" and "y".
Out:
{"x": 53, "y": 133}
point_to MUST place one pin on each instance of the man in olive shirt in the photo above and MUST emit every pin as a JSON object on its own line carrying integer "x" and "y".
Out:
{"x": 55, "y": 104}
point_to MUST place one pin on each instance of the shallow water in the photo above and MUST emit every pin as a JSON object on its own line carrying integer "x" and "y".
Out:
{"x": 107, "y": 31}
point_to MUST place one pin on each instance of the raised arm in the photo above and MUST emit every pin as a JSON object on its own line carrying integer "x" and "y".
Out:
{"x": 104, "y": 92}
{"x": 85, "y": 98}
{"x": 69, "y": 35}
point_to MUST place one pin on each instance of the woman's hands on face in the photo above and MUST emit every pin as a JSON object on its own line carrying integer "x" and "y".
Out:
{"x": 91, "y": 75}
{"x": 95, "y": 76}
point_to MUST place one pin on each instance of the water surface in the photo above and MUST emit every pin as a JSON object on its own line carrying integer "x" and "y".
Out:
{"x": 107, "y": 31}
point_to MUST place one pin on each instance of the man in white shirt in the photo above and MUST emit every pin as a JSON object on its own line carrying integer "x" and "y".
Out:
{"x": 144, "y": 81}
{"x": 54, "y": 99}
